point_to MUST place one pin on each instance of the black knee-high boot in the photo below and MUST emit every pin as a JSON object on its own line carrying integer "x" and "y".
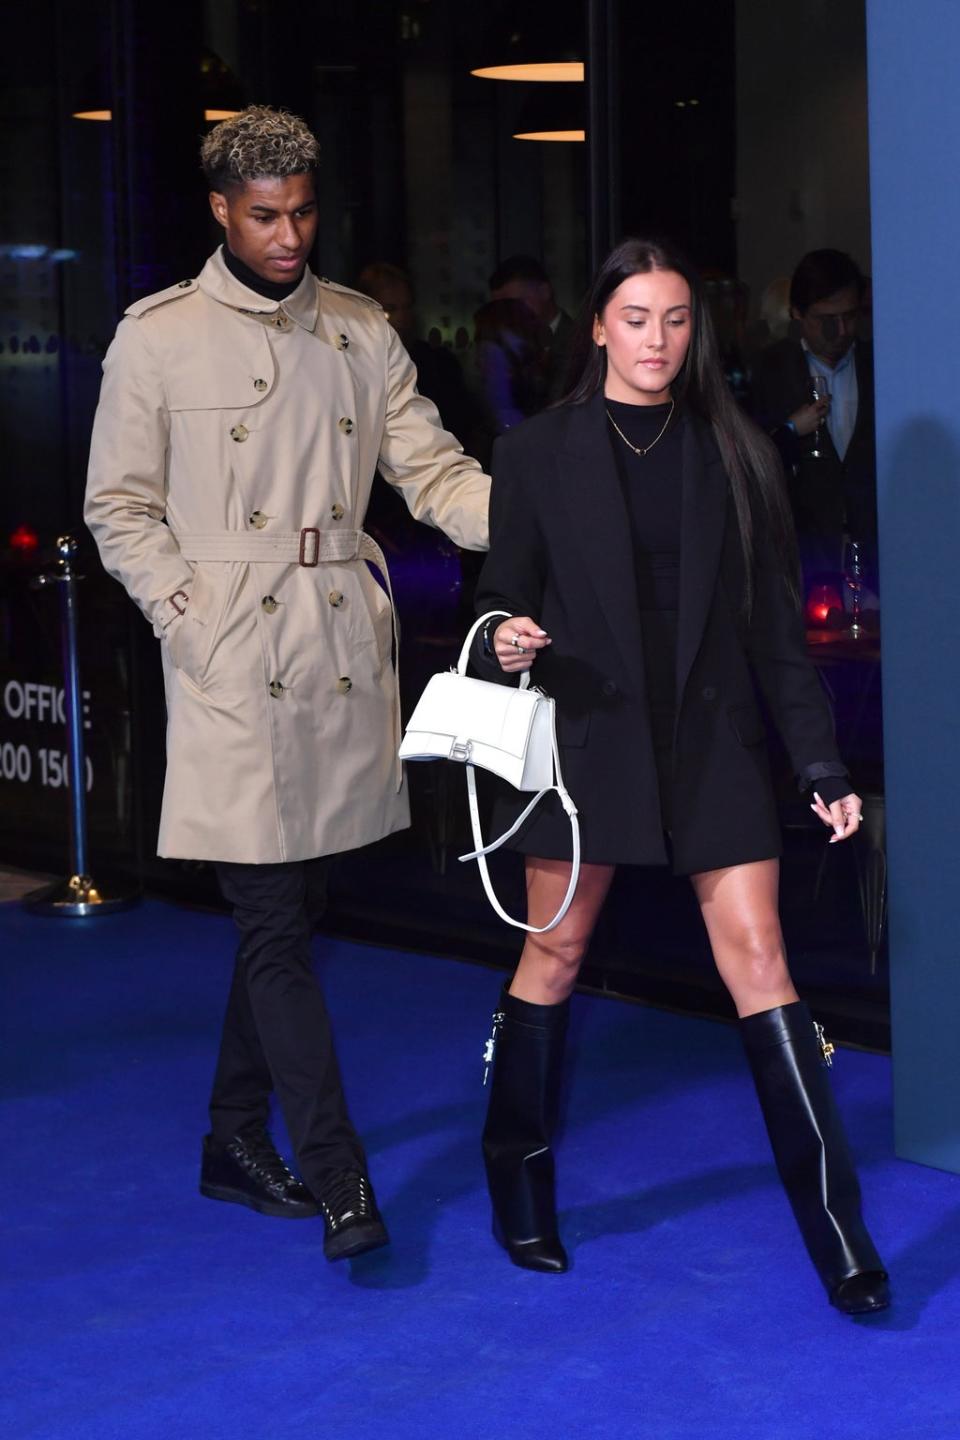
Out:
{"x": 528, "y": 1044}
{"x": 810, "y": 1148}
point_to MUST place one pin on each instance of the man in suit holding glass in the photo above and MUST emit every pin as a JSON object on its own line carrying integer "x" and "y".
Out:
{"x": 814, "y": 393}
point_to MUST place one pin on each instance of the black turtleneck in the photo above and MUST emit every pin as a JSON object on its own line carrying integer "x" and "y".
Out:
{"x": 269, "y": 289}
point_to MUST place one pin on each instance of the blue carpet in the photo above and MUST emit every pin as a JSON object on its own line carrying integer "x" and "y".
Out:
{"x": 135, "y": 1309}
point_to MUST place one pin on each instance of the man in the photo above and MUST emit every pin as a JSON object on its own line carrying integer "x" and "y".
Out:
{"x": 522, "y": 277}
{"x": 241, "y": 420}
{"x": 833, "y": 494}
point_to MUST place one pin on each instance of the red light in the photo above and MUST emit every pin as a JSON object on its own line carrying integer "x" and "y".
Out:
{"x": 24, "y": 539}
{"x": 821, "y": 603}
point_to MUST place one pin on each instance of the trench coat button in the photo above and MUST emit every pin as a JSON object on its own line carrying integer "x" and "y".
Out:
{"x": 184, "y": 284}
{"x": 260, "y": 385}
{"x": 258, "y": 520}
{"x": 709, "y": 692}
{"x": 281, "y": 321}
{"x": 239, "y": 433}
{"x": 609, "y": 689}
{"x": 336, "y": 598}
{"x": 341, "y": 341}
{"x": 269, "y": 604}
{"x": 344, "y": 685}
{"x": 337, "y": 511}
{"x": 276, "y": 689}
{"x": 346, "y": 425}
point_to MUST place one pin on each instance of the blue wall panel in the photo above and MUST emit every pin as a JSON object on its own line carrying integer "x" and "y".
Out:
{"x": 914, "y": 97}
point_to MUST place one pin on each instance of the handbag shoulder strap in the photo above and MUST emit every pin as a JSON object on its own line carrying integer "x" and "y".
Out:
{"x": 482, "y": 851}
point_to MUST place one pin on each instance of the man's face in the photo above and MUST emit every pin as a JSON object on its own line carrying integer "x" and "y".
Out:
{"x": 830, "y": 326}
{"x": 535, "y": 294}
{"x": 270, "y": 224}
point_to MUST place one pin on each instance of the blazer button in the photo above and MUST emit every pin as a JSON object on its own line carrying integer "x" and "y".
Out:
{"x": 337, "y": 511}
{"x": 336, "y": 598}
{"x": 609, "y": 689}
{"x": 260, "y": 385}
{"x": 276, "y": 689}
{"x": 341, "y": 341}
{"x": 258, "y": 520}
{"x": 344, "y": 685}
{"x": 239, "y": 433}
{"x": 269, "y": 604}
{"x": 709, "y": 692}
{"x": 345, "y": 424}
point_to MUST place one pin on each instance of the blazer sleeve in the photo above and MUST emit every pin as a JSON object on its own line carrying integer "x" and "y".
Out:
{"x": 426, "y": 464}
{"x": 126, "y": 497}
{"x": 513, "y": 574}
{"x": 789, "y": 683}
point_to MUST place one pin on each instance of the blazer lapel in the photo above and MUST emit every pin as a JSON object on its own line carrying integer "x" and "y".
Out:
{"x": 704, "y": 511}
{"x": 591, "y": 494}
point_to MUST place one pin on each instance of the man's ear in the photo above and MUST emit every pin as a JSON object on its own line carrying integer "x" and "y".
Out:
{"x": 218, "y": 204}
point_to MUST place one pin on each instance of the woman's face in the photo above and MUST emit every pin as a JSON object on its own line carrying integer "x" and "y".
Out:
{"x": 645, "y": 327}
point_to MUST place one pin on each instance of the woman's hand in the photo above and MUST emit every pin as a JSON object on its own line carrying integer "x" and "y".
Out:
{"x": 843, "y": 817}
{"x": 516, "y": 642}
{"x": 808, "y": 417}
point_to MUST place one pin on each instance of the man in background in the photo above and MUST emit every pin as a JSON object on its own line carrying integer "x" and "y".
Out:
{"x": 827, "y": 444}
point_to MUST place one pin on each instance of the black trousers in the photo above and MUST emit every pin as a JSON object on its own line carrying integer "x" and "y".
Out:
{"x": 276, "y": 1031}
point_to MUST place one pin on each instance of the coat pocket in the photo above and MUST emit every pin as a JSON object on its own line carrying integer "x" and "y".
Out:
{"x": 572, "y": 729}
{"x": 190, "y": 640}
{"x": 747, "y": 724}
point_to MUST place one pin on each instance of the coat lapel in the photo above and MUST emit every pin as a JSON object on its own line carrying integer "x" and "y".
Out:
{"x": 590, "y": 488}
{"x": 704, "y": 510}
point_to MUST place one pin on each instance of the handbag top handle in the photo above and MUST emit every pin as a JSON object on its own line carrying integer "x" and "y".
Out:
{"x": 465, "y": 652}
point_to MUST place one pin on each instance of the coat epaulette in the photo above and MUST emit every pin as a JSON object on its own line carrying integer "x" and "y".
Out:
{"x": 162, "y": 297}
{"x": 345, "y": 290}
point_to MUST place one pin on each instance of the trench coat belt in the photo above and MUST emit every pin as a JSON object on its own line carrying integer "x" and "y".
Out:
{"x": 308, "y": 548}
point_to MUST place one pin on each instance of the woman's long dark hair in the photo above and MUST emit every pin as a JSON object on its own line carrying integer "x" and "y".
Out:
{"x": 749, "y": 457}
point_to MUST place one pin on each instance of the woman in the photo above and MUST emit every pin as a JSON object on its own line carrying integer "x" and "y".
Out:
{"x": 641, "y": 543}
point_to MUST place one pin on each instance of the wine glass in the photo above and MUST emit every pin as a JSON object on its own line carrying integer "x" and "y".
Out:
{"x": 819, "y": 390}
{"x": 853, "y": 578}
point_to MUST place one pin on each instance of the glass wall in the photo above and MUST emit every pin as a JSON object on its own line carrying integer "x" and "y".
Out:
{"x": 424, "y": 192}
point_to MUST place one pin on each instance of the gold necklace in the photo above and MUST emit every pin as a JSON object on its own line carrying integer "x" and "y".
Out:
{"x": 642, "y": 449}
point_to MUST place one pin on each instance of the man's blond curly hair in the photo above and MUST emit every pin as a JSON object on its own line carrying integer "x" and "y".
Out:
{"x": 256, "y": 144}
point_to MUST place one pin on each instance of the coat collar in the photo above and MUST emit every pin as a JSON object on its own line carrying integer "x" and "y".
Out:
{"x": 597, "y": 507}
{"x": 302, "y": 305}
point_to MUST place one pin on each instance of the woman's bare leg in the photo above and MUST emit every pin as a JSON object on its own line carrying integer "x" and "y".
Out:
{"x": 739, "y": 909}
{"x": 550, "y": 963}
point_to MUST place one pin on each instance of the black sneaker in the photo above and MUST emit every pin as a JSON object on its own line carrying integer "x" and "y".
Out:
{"x": 352, "y": 1222}
{"x": 248, "y": 1171}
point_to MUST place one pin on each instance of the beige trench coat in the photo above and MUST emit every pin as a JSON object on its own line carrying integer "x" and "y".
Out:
{"x": 232, "y": 456}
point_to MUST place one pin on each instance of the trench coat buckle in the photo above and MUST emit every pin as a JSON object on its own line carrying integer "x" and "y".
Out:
{"x": 307, "y": 534}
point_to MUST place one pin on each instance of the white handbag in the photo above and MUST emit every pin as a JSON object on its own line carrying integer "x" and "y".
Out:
{"x": 509, "y": 732}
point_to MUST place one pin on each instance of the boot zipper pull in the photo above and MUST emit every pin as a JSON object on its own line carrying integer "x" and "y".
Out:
{"x": 491, "y": 1045}
{"x": 826, "y": 1048}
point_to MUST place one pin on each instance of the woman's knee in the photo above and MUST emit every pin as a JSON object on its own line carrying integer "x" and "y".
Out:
{"x": 556, "y": 957}
{"x": 759, "y": 959}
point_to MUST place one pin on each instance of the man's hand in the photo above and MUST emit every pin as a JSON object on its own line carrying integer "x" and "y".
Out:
{"x": 808, "y": 417}
{"x": 516, "y": 642}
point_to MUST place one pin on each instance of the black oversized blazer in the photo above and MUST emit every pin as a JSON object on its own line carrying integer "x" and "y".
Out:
{"x": 561, "y": 551}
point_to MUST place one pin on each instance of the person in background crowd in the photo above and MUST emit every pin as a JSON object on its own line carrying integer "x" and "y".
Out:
{"x": 521, "y": 277}
{"x": 827, "y": 444}
{"x": 439, "y": 376}
{"x": 242, "y": 417}
{"x": 641, "y": 544}
{"x": 509, "y": 369}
